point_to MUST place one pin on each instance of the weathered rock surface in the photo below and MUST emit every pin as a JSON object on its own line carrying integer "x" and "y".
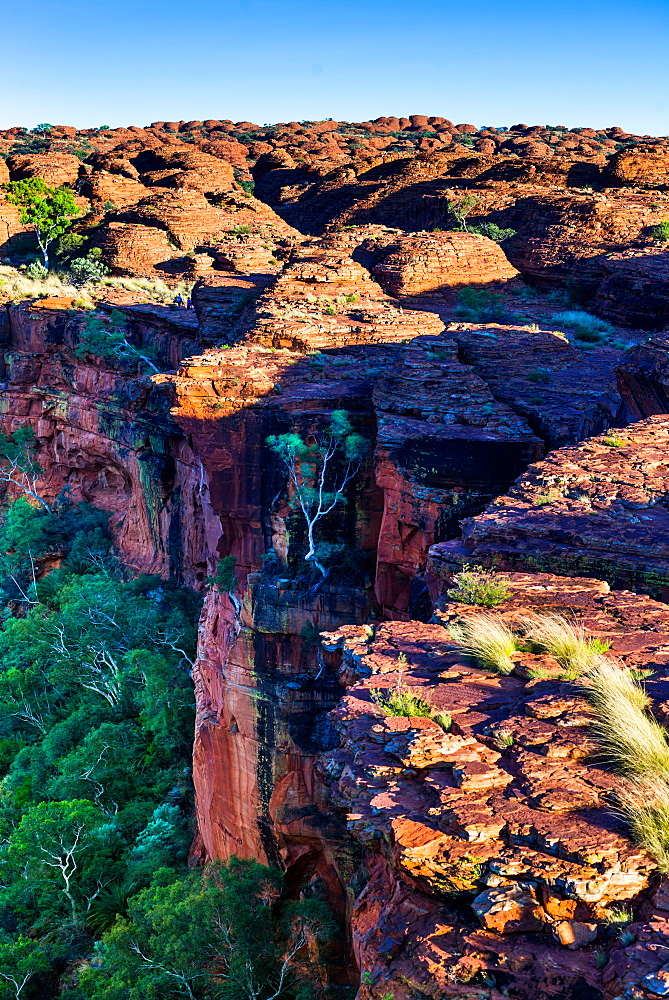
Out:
{"x": 431, "y": 262}
{"x": 643, "y": 378}
{"x": 598, "y": 509}
{"x": 498, "y": 837}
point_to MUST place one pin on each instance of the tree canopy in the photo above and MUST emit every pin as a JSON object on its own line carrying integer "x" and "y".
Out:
{"x": 320, "y": 466}
{"x": 48, "y": 210}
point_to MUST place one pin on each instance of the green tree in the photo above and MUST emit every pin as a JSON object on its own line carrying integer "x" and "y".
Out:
{"x": 20, "y": 960}
{"x": 18, "y": 464}
{"x": 320, "y": 466}
{"x": 211, "y": 934}
{"x": 460, "y": 207}
{"x": 107, "y": 337}
{"x": 48, "y": 210}
{"x": 57, "y": 854}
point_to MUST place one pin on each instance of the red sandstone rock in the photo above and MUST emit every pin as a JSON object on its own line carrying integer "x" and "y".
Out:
{"x": 640, "y": 166}
{"x": 597, "y": 509}
{"x": 643, "y": 377}
{"x": 539, "y": 882}
{"x": 54, "y": 168}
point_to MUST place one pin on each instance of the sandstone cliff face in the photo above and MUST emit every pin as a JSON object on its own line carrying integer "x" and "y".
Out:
{"x": 107, "y": 437}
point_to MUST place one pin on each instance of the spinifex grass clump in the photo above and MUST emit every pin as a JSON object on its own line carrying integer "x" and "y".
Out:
{"x": 645, "y": 806}
{"x": 636, "y": 746}
{"x": 568, "y": 643}
{"x": 586, "y": 327}
{"x": 627, "y": 736}
{"x": 488, "y": 639}
{"x": 481, "y": 587}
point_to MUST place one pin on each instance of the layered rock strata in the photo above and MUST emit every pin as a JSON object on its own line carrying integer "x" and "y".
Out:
{"x": 598, "y": 509}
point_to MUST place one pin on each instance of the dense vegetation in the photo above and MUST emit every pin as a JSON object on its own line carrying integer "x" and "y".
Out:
{"x": 96, "y": 722}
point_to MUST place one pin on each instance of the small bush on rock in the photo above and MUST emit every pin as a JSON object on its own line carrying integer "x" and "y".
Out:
{"x": 402, "y": 703}
{"x": 661, "y": 231}
{"x": 481, "y": 587}
{"x": 493, "y": 232}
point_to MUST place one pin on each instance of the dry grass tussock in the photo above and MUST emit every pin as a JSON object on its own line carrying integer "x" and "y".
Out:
{"x": 645, "y": 806}
{"x": 153, "y": 288}
{"x": 16, "y": 286}
{"x": 486, "y": 638}
{"x": 567, "y": 642}
{"x": 630, "y": 739}
{"x": 635, "y": 745}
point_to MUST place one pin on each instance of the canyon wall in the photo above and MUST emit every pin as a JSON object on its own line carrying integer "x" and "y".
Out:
{"x": 448, "y": 858}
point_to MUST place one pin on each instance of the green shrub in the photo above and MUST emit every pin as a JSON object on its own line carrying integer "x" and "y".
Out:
{"x": 85, "y": 269}
{"x": 481, "y": 587}
{"x": 493, "y": 232}
{"x": 37, "y": 271}
{"x": 661, "y": 231}
{"x": 402, "y": 703}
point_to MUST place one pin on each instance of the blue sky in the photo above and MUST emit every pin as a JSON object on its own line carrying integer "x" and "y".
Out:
{"x": 130, "y": 62}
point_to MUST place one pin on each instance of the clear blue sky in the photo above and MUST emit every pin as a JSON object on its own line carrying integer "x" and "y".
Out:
{"x": 130, "y": 62}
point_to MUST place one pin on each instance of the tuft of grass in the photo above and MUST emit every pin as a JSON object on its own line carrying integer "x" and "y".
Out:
{"x": 503, "y": 739}
{"x": 613, "y": 441}
{"x": 444, "y": 720}
{"x": 619, "y": 916}
{"x": 481, "y": 587}
{"x": 645, "y": 806}
{"x": 488, "y": 639}
{"x": 630, "y": 739}
{"x": 569, "y": 644}
{"x": 541, "y": 674}
{"x": 586, "y": 327}
{"x": 402, "y": 703}
{"x": 661, "y": 231}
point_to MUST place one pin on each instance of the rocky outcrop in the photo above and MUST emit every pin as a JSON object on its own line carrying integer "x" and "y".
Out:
{"x": 492, "y": 852}
{"x": 635, "y": 288}
{"x": 164, "y": 233}
{"x": 54, "y": 168}
{"x": 545, "y": 379}
{"x": 598, "y": 510}
{"x": 429, "y": 263}
{"x": 643, "y": 377}
{"x": 640, "y": 166}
